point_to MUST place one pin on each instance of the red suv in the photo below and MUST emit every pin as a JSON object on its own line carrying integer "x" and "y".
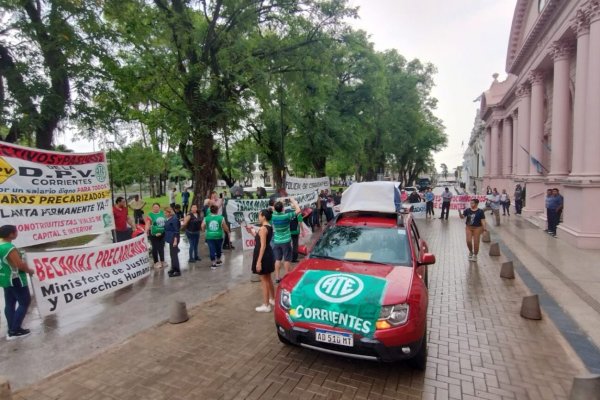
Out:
{"x": 361, "y": 292}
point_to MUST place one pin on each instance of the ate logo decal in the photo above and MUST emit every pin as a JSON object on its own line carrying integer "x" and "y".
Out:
{"x": 338, "y": 288}
{"x": 6, "y": 170}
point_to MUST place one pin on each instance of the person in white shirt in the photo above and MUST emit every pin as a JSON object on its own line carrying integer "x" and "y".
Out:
{"x": 446, "y": 199}
{"x": 172, "y": 197}
{"x": 495, "y": 205}
{"x": 505, "y": 201}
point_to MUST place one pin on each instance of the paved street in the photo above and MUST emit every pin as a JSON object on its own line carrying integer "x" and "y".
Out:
{"x": 479, "y": 346}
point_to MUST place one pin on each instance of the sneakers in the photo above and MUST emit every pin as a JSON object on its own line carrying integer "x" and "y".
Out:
{"x": 219, "y": 262}
{"x": 272, "y": 302}
{"x": 474, "y": 258}
{"x": 19, "y": 333}
{"x": 173, "y": 273}
{"x": 265, "y": 308}
{"x": 213, "y": 267}
{"x": 197, "y": 259}
{"x": 470, "y": 256}
{"x": 191, "y": 260}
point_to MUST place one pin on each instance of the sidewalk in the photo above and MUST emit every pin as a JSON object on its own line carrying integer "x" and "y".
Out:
{"x": 566, "y": 278}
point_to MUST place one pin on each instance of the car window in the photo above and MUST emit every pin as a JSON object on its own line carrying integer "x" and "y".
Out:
{"x": 378, "y": 245}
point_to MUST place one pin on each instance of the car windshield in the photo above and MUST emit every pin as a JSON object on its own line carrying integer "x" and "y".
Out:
{"x": 364, "y": 244}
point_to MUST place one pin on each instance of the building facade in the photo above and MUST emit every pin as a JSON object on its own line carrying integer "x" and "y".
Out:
{"x": 542, "y": 124}
{"x": 473, "y": 159}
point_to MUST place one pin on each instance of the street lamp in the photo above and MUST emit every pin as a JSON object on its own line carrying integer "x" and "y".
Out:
{"x": 110, "y": 170}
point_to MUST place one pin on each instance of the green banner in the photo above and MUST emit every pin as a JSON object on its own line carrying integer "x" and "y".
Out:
{"x": 348, "y": 301}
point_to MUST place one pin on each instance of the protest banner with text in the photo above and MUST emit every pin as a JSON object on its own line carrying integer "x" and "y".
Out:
{"x": 460, "y": 202}
{"x": 239, "y": 211}
{"x": 51, "y": 196}
{"x": 65, "y": 279}
{"x": 295, "y": 185}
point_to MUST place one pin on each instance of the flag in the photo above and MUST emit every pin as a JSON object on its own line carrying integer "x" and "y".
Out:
{"x": 538, "y": 165}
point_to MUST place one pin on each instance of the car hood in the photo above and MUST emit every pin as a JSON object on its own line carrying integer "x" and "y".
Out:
{"x": 399, "y": 278}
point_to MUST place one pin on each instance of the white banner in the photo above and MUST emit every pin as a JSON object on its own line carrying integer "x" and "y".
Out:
{"x": 248, "y": 242}
{"x": 247, "y": 210}
{"x": 418, "y": 209}
{"x": 295, "y": 185}
{"x": 51, "y": 196}
{"x": 64, "y": 279}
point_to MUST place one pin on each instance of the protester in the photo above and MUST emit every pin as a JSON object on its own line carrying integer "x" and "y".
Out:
{"x": 414, "y": 197}
{"x": 282, "y": 238}
{"x": 329, "y": 206}
{"x": 561, "y": 201}
{"x": 263, "y": 260}
{"x": 137, "y": 205}
{"x": 192, "y": 224}
{"x": 178, "y": 212}
{"x": 321, "y": 206}
{"x": 475, "y": 226}
{"x": 495, "y": 206}
{"x": 518, "y": 196}
{"x": 122, "y": 231}
{"x": 13, "y": 279}
{"x": 295, "y": 232}
{"x": 446, "y": 200}
{"x": 554, "y": 208}
{"x": 185, "y": 201}
{"x": 548, "y": 201}
{"x": 488, "y": 190}
{"x": 155, "y": 229}
{"x": 172, "y": 237}
{"x": 429, "y": 203}
{"x": 337, "y": 197}
{"x": 505, "y": 202}
{"x": 172, "y": 195}
{"x": 215, "y": 226}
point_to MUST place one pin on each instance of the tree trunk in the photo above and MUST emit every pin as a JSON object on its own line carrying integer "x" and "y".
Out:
{"x": 319, "y": 164}
{"x": 205, "y": 164}
{"x": 278, "y": 176}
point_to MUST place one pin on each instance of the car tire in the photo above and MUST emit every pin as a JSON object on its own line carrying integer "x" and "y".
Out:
{"x": 426, "y": 280}
{"x": 419, "y": 361}
{"x": 283, "y": 340}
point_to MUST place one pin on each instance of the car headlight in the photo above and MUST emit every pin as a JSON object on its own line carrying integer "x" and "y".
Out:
{"x": 285, "y": 299}
{"x": 394, "y": 315}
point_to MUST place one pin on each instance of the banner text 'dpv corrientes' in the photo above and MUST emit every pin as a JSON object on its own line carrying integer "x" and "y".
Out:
{"x": 52, "y": 196}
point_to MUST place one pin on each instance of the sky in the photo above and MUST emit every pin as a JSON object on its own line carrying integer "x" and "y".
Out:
{"x": 465, "y": 39}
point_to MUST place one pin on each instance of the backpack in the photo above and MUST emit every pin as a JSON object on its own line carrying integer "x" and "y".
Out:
{"x": 294, "y": 224}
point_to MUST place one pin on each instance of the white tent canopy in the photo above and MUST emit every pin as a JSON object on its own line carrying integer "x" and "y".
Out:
{"x": 382, "y": 197}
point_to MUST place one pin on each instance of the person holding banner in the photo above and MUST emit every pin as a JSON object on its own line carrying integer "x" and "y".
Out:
{"x": 172, "y": 228}
{"x": 214, "y": 224}
{"x": 429, "y": 203}
{"x": 122, "y": 219}
{"x": 13, "y": 278}
{"x": 263, "y": 260}
{"x": 155, "y": 229}
{"x": 475, "y": 227}
{"x": 282, "y": 242}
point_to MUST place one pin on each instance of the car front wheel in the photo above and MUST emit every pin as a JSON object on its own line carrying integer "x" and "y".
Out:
{"x": 419, "y": 361}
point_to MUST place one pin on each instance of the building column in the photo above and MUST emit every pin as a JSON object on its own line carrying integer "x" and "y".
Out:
{"x": 561, "y": 111}
{"x": 507, "y": 133}
{"x": 495, "y": 148}
{"x": 581, "y": 25}
{"x": 488, "y": 152}
{"x": 592, "y": 115}
{"x": 536, "y": 127}
{"x": 524, "y": 94}
{"x": 514, "y": 168}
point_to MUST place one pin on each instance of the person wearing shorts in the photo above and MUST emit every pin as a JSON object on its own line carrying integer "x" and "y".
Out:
{"x": 475, "y": 227}
{"x": 282, "y": 236}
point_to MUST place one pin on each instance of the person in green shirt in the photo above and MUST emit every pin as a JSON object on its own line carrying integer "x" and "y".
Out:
{"x": 215, "y": 226}
{"x": 282, "y": 236}
{"x": 155, "y": 229}
{"x": 13, "y": 278}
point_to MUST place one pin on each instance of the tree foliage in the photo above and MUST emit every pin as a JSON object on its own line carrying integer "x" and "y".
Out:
{"x": 218, "y": 82}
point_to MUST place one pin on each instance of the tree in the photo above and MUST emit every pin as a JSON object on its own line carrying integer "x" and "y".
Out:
{"x": 48, "y": 51}
{"x": 444, "y": 168}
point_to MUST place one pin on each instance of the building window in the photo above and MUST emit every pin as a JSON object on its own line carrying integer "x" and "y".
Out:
{"x": 541, "y": 5}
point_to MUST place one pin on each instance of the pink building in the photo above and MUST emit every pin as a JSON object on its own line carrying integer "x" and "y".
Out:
{"x": 542, "y": 124}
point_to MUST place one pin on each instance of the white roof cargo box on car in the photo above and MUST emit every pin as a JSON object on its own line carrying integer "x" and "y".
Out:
{"x": 382, "y": 197}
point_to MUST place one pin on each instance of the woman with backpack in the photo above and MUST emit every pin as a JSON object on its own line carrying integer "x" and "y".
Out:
{"x": 192, "y": 224}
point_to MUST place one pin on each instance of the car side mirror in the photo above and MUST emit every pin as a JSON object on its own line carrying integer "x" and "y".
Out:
{"x": 427, "y": 259}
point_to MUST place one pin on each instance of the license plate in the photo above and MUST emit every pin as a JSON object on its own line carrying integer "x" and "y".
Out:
{"x": 333, "y": 337}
